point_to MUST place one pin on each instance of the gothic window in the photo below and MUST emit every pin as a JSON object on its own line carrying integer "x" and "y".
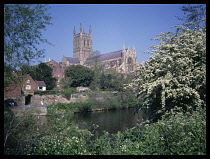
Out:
{"x": 113, "y": 63}
{"x": 120, "y": 62}
{"x": 88, "y": 43}
{"x": 130, "y": 66}
{"x": 84, "y": 42}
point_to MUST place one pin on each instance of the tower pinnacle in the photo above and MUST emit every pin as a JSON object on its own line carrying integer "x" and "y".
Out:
{"x": 90, "y": 30}
{"x": 80, "y": 28}
{"x": 74, "y": 30}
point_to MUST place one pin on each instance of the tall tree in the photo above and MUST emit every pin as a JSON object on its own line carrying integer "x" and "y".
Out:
{"x": 175, "y": 76}
{"x": 97, "y": 67}
{"x": 78, "y": 75}
{"x": 23, "y": 26}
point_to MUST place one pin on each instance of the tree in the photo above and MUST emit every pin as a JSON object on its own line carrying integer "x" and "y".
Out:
{"x": 78, "y": 75}
{"x": 176, "y": 74}
{"x": 97, "y": 67}
{"x": 23, "y": 26}
{"x": 112, "y": 80}
{"x": 195, "y": 15}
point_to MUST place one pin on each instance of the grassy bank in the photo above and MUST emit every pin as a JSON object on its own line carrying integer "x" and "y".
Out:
{"x": 104, "y": 100}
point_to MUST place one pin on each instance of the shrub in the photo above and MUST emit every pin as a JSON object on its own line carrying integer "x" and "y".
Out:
{"x": 177, "y": 133}
{"x": 84, "y": 106}
{"x": 45, "y": 92}
{"x": 19, "y": 131}
{"x": 67, "y": 93}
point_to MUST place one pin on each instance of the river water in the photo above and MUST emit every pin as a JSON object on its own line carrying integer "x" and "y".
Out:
{"x": 111, "y": 121}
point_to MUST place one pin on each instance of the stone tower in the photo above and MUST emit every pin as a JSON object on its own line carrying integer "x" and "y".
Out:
{"x": 82, "y": 45}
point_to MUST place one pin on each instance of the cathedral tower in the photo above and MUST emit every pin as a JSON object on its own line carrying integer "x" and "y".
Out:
{"x": 82, "y": 45}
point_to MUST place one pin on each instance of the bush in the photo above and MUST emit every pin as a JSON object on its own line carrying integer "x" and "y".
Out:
{"x": 45, "y": 92}
{"x": 84, "y": 106}
{"x": 19, "y": 131}
{"x": 67, "y": 93}
{"x": 177, "y": 133}
{"x": 60, "y": 144}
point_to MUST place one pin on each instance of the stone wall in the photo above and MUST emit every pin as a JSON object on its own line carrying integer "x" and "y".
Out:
{"x": 48, "y": 99}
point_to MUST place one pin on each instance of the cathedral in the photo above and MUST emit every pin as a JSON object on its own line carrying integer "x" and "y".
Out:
{"x": 123, "y": 61}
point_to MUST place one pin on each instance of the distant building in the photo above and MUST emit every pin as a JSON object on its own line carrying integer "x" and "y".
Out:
{"x": 123, "y": 61}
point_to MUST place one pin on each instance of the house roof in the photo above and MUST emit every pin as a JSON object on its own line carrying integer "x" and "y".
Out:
{"x": 107, "y": 56}
{"x": 72, "y": 60}
{"x": 40, "y": 83}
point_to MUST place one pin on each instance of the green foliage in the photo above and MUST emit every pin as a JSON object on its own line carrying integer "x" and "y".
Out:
{"x": 23, "y": 26}
{"x": 176, "y": 74}
{"x": 177, "y": 133}
{"x": 78, "y": 75}
{"x": 18, "y": 131}
{"x": 84, "y": 106}
{"x": 60, "y": 136}
{"x": 57, "y": 145}
{"x": 195, "y": 15}
{"x": 45, "y": 92}
{"x": 112, "y": 80}
{"x": 67, "y": 93}
{"x": 105, "y": 81}
{"x": 43, "y": 73}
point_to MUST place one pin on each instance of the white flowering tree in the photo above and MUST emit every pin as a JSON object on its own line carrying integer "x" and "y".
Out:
{"x": 175, "y": 75}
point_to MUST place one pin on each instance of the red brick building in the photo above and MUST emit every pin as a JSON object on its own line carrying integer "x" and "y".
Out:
{"x": 58, "y": 70}
{"x": 58, "y": 73}
{"x": 20, "y": 92}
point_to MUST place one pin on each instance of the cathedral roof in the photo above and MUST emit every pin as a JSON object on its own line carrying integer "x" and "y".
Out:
{"x": 107, "y": 56}
{"x": 72, "y": 60}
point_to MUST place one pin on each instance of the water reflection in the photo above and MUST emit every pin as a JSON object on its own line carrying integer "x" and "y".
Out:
{"x": 111, "y": 121}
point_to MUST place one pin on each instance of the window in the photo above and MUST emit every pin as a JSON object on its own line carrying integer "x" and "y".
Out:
{"x": 28, "y": 81}
{"x": 40, "y": 87}
{"x": 130, "y": 66}
{"x": 28, "y": 87}
{"x": 84, "y": 42}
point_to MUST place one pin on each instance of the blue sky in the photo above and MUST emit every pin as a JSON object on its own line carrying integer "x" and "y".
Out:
{"x": 112, "y": 25}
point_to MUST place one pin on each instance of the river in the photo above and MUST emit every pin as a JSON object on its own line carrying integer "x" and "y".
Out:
{"x": 111, "y": 121}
